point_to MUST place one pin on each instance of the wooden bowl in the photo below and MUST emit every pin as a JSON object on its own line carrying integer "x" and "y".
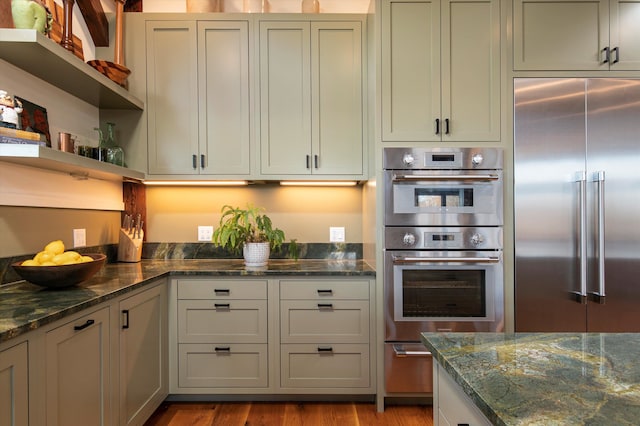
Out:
{"x": 63, "y": 275}
{"x": 115, "y": 72}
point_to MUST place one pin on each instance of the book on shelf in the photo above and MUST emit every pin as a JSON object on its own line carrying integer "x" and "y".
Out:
{"x": 21, "y": 141}
{"x": 22, "y": 134}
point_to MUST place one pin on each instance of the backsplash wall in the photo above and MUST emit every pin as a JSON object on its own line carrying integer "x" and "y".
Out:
{"x": 303, "y": 213}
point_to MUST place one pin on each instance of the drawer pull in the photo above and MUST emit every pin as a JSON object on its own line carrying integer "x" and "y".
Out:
{"x": 222, "y": 306}
{"x": 323, "y": 349}
{"x": 85, "y": 325}
{"x": 322, "y": 292}
{"x": 222, "y": 291}
{"x": 325, "y": 306}
{"x": 222, "y": 349}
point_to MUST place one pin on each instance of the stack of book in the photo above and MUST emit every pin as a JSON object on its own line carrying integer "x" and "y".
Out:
{"x": 8, "y": 135}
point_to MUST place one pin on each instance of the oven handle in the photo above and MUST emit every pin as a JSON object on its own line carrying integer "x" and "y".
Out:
{"x": 431, "y": 178}
{"x": 416, "y": 260}
{"x": 401, "y": 352}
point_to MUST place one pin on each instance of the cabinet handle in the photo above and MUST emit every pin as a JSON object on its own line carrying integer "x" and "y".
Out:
{"x": 225, "y": 306}
{"x": 308, "y": 162}
{"x": 616, "y": 50}
{"x": 125, "y": 319}
{"x": 202, "y": 161}
{"x": 325, "y": 306}
{"x": 222, "y": 349}
{"x": 437, "y": 126}
{"x": 463, "y": 424}
{"x": 194, "y": 161}
{"x": 446, "y": 126}
{"x": 325, "y": 349}
{"x": 607, "y": 55}
{"x": 315, "y": 161}
{"x": 325, "y": 292}
{"x": 85, "y": 325}
{"x": 222, "y": 291}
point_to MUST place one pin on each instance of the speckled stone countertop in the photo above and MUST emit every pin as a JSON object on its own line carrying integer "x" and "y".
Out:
{"x": 545, "y": 378}
{"x": 25, "y": 306}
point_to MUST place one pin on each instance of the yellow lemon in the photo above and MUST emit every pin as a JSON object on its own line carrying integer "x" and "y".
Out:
{"x": 30, "y": 262}
{"x": 86, "y": 259}
{"x": 48, "y": 263}
{"x": 55, "y": 247}
{"x": 43, "y": 256}
{"x": 66, "y": 258}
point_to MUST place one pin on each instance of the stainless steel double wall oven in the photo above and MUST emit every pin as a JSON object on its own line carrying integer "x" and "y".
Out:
{"x": 443, "y": 267}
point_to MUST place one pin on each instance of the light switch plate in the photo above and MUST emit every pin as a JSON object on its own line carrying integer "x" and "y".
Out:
{"x": 336, "y": 234}
{"x": 79, "y": 237}
{"x": 205, "y": 233}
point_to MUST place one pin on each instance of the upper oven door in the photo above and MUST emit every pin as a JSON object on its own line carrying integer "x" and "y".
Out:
{"x": 443, "y": 198}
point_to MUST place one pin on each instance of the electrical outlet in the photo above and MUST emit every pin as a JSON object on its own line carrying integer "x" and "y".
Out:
{"x": 205, "y": 233}
{"x": 336, "y": 234}
{"x": 79, "y": 237}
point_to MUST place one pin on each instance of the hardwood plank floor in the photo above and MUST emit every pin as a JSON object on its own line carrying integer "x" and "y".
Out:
{"x": 288, "y": 414}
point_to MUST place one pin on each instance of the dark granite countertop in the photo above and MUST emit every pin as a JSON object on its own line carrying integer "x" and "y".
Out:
{"x": 25, "y": 306}
{"x": 545, "y": 378}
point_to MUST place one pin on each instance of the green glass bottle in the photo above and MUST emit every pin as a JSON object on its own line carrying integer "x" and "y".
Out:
{"x": 115, "y": 154}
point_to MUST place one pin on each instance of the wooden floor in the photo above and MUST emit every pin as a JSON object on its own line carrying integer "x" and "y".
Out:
{"x": 289, "y": 414}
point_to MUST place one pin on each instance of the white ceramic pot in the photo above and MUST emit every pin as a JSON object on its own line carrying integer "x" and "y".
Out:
{"x": 256, "y": 254}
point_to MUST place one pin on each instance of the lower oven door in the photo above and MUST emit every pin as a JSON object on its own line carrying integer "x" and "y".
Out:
{"x": 442, "y": 291}
{"x": 408, "y": 368}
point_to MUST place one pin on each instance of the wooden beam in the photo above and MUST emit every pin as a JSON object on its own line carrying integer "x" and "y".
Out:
{"x": 96, "y": 21}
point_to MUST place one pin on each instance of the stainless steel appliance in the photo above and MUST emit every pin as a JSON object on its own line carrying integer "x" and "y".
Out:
{"x": 443, "y": 267}
{"x": 577, "y": 204}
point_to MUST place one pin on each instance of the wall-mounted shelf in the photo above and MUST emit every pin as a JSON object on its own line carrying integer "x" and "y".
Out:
{"x": 34, "y": 53}
{"x": 76, "y": 165}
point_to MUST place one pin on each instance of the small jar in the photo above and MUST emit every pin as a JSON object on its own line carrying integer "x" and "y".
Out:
{"x": 310, "y": 6}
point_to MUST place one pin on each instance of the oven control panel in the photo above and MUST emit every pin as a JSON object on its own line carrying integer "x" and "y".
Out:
{"x": 449, "y": 238}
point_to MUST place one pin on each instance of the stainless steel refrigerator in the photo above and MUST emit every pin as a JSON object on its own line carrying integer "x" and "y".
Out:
{"x": 577, "y": 204}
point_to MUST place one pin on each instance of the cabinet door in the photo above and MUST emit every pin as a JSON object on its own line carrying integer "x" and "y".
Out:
{"x": 285, "y": 98}
{"x": 77, "y": 372}
{"x": 223, "y": 81}
{"x": 470, "y": 41}
{"x": 14, "y": 386}
{"x": 143, "y": 348}
{"x": 625, "y": 34}
{"x": 336, "y": 76}
{"x": 560, "y": 35}
{"x": 410, "y": 70}
{"x": 172, "y": 93}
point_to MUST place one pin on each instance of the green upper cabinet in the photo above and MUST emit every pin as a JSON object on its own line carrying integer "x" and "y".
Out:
{"x": 576, "y": 35}
{"x": 311, "y": 99}
{"x": 440, "y": 70}
{"x": 198, "y": 97}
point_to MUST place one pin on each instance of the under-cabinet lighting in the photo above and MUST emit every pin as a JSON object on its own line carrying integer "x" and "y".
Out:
{"x": 196, "y": 182}
{"x": 317, "y": 183}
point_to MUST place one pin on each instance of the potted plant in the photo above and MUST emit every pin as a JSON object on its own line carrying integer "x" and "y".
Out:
{"x": 251, "y": 231}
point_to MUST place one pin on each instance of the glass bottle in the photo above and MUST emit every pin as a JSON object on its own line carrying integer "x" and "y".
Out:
{"x": 115, "y": 154}
{"x": 310, "y": 6}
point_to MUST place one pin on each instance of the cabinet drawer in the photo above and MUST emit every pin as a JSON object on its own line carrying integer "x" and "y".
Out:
{"x": 231, "y": 321}
{"x": 324, "y": 366}
{"x": 222, "y": 289}
{"x": 337, "y": 321}
{"x": 324, "y": 289}
{"x": 222, "y": 365}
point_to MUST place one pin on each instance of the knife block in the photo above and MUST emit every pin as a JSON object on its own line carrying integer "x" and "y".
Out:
{"x": 129, "y": 248}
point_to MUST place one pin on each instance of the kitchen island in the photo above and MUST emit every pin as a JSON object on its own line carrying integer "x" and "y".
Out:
{"x": 25, "y": 307}
{"x": 544, "y": 378}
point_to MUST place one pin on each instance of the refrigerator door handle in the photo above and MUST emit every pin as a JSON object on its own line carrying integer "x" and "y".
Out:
{"x": 599, "y": 296}
{"x": 581, "y": 178}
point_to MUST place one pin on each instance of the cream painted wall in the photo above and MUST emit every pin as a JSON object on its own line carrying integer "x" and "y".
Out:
{"x": 27, "y": 230}
{"x": 303, "y": 213}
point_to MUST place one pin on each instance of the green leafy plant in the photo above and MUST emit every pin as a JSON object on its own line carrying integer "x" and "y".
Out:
{"x": 249, "y": 225}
